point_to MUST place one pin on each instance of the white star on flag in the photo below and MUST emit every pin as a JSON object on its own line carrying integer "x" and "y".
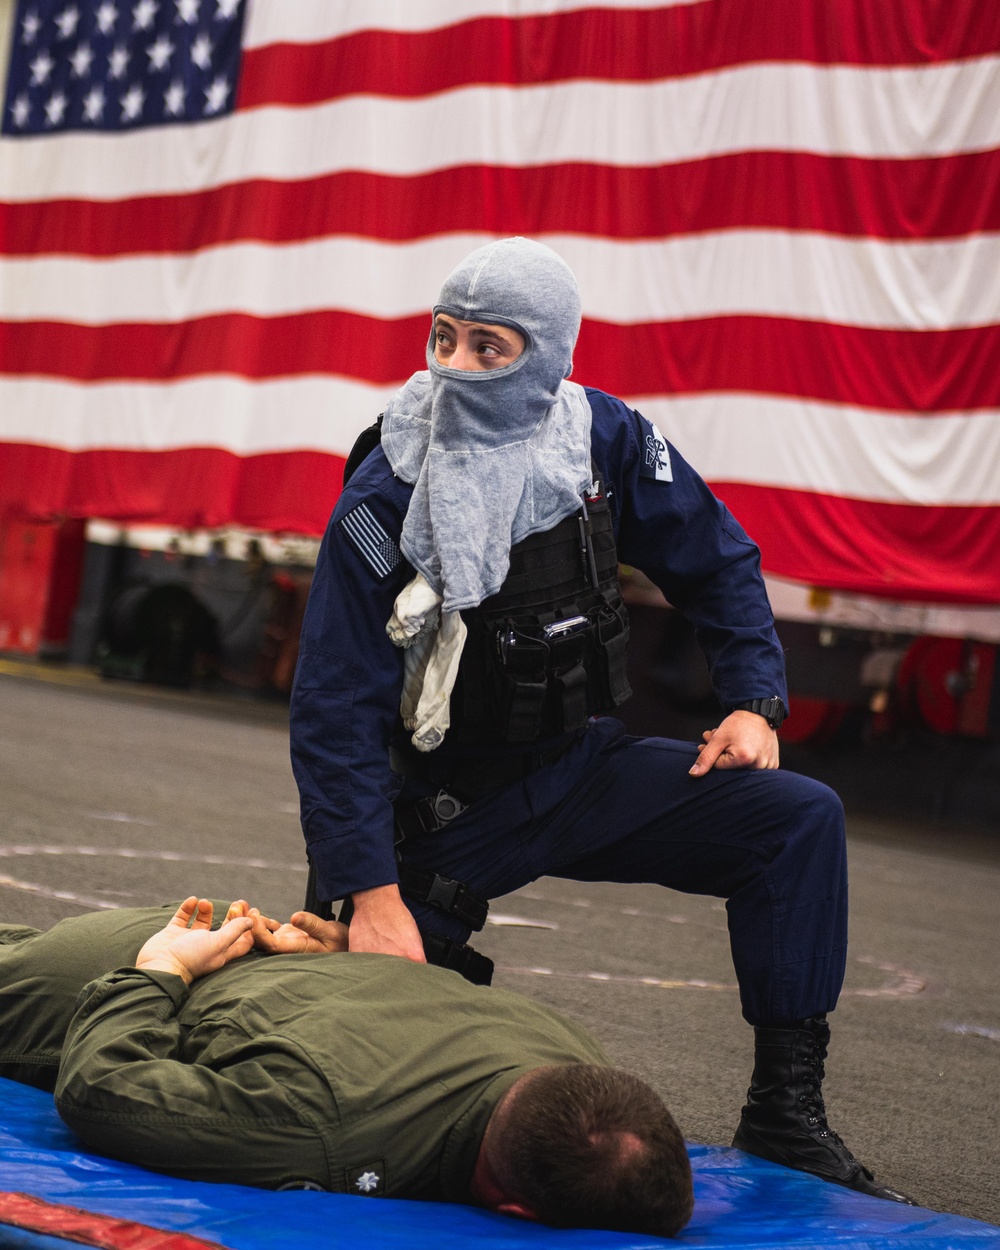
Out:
{"x": 143, "y": 14}
{"x": 367, "y": 1181}
{"x": 30, "y": 26}
{"x": 201, "y": 52}
{"x": 93, "y": 104}
{"x": 118, "y": 61}
{"x": 132, "y": 102}
{"x": 21, "y": 110}
{"x": 159, "y": 53}
{"x": 226, "y": 9}
{"x": 173, "y": 99}
{"x": 106, "y": 16}
{"x": 216, "y": 95}
{"x": 81, "y": 60}
{"x": 41, "y": 67}
{"x": 55, "y": 108}
{"x": 187, "y": 10}
{"x": 67, "y": 22}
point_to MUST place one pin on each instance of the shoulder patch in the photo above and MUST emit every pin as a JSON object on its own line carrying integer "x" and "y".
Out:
{"x": 367, "y": 1178}
{"x": 655, "y": 454}
{"x": 371, "y": 540}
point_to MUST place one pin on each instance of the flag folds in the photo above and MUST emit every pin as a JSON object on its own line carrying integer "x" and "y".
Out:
{"x": 785, "y": 221}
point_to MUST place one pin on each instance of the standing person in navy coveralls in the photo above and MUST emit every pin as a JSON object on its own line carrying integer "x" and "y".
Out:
{"x": 464, "y": 640}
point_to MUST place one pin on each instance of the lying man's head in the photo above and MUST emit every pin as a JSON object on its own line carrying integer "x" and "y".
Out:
{"x": 583, "y": 1146}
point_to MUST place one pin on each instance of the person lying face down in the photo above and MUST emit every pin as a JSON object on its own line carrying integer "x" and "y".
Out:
{"x": 260, "y": 1054}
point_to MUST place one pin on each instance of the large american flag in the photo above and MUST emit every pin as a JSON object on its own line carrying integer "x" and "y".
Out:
{"x": 784, "y": 216}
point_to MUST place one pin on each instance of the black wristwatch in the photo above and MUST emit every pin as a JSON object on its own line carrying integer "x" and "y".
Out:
{"x": 772, "y": 710}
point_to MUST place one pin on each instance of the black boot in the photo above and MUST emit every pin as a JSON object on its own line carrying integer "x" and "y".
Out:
{"x": 784, "y": 1119}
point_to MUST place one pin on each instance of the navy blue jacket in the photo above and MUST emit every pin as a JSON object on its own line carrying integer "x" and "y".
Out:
{"x": 345, "y": 704}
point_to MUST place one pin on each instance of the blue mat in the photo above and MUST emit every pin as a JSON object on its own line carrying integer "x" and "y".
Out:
{"x": 740, "y": 1203}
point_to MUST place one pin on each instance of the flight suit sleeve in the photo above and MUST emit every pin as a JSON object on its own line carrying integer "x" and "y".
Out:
{"x": 126, "y": 1090}
{"x": 672, "y": 527}
{"x": 345, "y": 701}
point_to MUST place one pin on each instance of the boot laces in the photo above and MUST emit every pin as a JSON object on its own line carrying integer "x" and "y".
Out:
{"x": 811, "y": 1098}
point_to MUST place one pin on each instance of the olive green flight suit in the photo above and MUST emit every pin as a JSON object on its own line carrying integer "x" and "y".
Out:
{"x": 357, "y": 1073}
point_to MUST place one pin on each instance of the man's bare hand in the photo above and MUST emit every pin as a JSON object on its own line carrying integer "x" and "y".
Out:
{"x": 743, "y": 740}
{"x": 383, "y": 924}
{"x": 303, "y": 934}
{"x": 191, "y": 952}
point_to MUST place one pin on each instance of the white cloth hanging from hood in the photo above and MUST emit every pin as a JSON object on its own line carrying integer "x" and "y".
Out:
{"x": 493, "y": 456}
{"x": 433, "y": 641}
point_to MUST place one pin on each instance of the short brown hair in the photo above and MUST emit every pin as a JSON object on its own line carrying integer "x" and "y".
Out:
{"x": 593, "y": 1147}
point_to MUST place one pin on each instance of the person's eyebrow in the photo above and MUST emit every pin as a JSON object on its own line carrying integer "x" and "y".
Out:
{"x": 491, "y": 332}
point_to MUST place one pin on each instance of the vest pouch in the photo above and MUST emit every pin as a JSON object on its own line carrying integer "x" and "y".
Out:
{"x": 568, "y": 675}
{"x": 611, "y": 645}
{"x": 572, "y": 694}
{"x": 523, "y": 685}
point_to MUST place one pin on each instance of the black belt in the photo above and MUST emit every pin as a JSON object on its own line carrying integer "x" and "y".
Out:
{"x": 473, "y": 776}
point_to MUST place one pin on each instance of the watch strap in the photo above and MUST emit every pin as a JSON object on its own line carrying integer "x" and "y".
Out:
{"x": 772, "y": 709}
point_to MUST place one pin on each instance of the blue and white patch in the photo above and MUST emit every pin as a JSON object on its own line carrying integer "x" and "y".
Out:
{"x": 655, "y": 462}
{"x": 371, "y": 540}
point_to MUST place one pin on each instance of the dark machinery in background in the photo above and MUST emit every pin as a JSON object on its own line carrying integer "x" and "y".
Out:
{"x": 183, "y": 620}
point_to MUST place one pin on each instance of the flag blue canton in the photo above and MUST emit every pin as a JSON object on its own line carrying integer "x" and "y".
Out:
{"x": 118, "y": 65}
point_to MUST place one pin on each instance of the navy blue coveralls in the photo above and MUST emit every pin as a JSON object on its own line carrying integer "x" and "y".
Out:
{"x": 613, "y": 807}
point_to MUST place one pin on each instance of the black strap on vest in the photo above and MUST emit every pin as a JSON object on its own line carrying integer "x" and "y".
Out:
{"x": 452, "y": 897}
{"x": 458, "y": 957}
{"x": 364, "y": 445}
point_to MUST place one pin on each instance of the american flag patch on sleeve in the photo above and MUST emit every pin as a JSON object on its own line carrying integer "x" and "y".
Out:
{"x": 371, "y": 540}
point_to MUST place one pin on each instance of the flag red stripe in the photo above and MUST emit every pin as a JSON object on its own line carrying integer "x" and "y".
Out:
{"x": 899, "y": 370}
{"x": 891, "y": 550}
{"x": 905, "y": 199}
{"x": 284, "y": 492}
{"x": 905, "y": 370}
{"x": 617, "y": 44}
{"x": 901, "y": 551}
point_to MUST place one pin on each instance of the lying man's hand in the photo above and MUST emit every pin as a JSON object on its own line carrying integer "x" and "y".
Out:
{"x": 303, "y": 934}
{"x": 743, "y": 740}
{"x": 192, "y": 952}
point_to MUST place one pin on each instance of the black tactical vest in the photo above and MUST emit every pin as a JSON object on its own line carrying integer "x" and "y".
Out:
{"x": 547, "y": 651}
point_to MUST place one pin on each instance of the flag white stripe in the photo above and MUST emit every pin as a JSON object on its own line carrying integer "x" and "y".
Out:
{"x": 312, "y": 413}
{"x": 859, "y": 453}
{"x": 933, "y": 285}
{"x": 311, "y": 21}
{"x": 794, "y": 601}
{"x": 835, "y": 110}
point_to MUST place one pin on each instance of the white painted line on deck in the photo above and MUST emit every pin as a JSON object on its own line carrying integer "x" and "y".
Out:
{"x": 973, "y": 1030}
{"x": 64, "y": 896}
{"x": 900, "y": 983}
{"x": 518, "y": 922}
{"x": 126, "y": 852}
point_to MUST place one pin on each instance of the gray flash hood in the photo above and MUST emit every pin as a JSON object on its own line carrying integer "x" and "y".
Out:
{"x": 496, "y": 455}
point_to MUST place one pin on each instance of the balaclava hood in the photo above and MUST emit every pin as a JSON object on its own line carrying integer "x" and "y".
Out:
{"x": 500, "y": 454}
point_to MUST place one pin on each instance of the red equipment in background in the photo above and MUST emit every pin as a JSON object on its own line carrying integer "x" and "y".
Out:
{"x": 949, "y": 683}
{"x": 40, "y": 567}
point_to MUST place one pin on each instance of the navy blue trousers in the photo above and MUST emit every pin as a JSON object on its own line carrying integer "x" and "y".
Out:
{"x": 622, "y": 808}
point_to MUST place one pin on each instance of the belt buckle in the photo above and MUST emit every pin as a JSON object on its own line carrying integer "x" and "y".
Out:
{"x": 447, "y": 807}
